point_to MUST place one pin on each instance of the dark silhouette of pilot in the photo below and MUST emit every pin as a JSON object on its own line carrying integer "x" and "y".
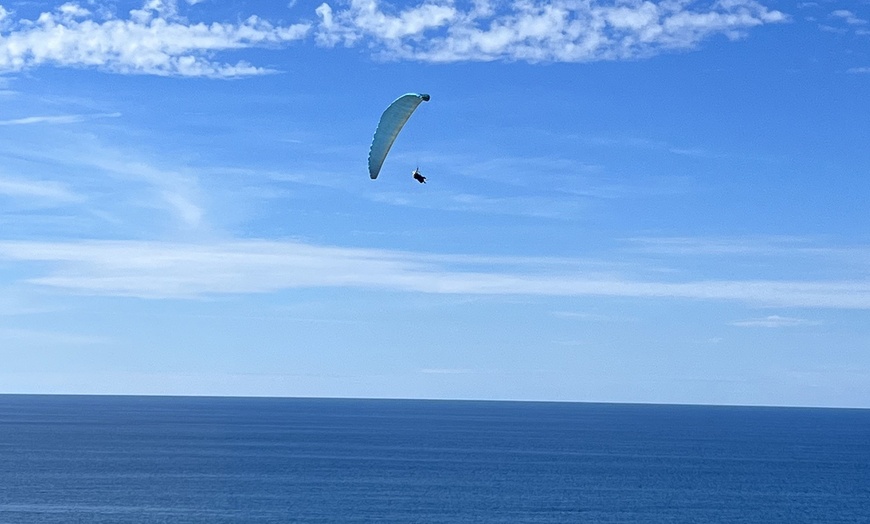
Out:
{"x": 418, "y": 177}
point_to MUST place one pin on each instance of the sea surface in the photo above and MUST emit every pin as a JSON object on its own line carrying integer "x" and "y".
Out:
{"x": 184, "y": 460}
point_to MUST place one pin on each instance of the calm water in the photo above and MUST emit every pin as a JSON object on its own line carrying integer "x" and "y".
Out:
{"x": 66, "y": 459}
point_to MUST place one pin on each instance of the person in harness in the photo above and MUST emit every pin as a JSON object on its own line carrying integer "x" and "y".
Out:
{"x": 419, "y": 177}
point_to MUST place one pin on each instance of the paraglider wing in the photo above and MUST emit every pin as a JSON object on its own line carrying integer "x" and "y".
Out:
{"x": 389, "y": 126}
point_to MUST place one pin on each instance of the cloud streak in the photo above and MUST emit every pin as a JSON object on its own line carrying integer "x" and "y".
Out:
{"x": 773, "y": 321}
{"x": 50, "y": 338}
{"x": 555, "y": 31}
{"x": 56, "y": 119}
{"x": 46, "y": 190}
{"x": 783, "y": 246}
{"x": 167, "y": 270}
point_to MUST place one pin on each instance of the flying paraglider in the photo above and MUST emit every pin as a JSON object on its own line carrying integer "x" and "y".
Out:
{"x": 391, "y": 123}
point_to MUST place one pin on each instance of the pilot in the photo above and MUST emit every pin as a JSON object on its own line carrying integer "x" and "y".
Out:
{"x": 418, "y": 177}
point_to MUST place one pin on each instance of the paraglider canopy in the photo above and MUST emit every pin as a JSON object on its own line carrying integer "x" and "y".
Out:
{"x": 391, "y": 123}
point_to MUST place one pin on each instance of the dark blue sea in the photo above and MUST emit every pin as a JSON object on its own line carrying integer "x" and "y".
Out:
{"x": 91, "y": 459}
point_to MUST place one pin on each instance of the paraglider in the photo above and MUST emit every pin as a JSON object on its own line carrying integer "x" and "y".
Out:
{"x": 391, "y": 123}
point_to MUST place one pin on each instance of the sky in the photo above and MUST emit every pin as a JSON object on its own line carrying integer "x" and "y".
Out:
{"x": 627, "y": 201}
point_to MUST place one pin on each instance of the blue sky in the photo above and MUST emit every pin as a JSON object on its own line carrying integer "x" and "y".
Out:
{"x": 627, "y": 201}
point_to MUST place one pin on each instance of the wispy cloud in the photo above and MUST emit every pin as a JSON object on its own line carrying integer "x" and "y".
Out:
{"x": 553, "y": 207}
{"x": 650, "y": 144}
{"x": 560, "y": 30}
{"x": 169, "y": 270}
{"x": 15, "y": 301}
{"x": 112, "y": 180}
{"x": 779, "y": 257}
{"x": 583, "y": 316}
{"x": 848, "y": 17}
{"x": 773, "y": 321}
{"x": 789, "y": 246}
{"x": 175, "y": 191}
{"x": 155, "y": 39}
{"x": 48, "y": 190}
{"x": 563, "y": 176}
{"x": 843, "y": 21}
{"x": 55, "y": 119}
{"x": 51, "y": 338}
{"x": 540, "y": 187}
{"x": 717, "y": 245}
{"x": 446, "y": 371}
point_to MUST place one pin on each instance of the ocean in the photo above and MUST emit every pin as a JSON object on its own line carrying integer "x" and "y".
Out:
{"x": 205, "y": 460}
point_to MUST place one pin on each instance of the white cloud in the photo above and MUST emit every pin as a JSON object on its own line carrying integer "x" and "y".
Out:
{"x": 560, "y": 30}
{"x": 157, "y": 39}
{"x": 152, "y": 40}
{"x": 369, "y": 19}
{"x": 71, "y": 10}
{"x": 773, "y": 321}
{"x": 172, "y": 270}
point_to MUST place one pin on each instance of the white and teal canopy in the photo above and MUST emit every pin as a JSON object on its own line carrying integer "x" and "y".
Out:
{"x": 389, "y": 126}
